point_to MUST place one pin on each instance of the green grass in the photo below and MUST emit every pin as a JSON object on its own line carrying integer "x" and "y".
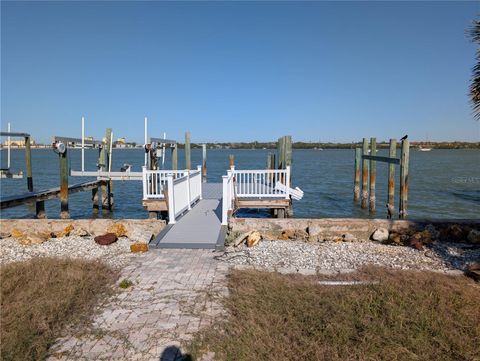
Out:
{"x": 125, "y": 283}
{"x": 406, "y": 316}
{"x": 41, "y": 297}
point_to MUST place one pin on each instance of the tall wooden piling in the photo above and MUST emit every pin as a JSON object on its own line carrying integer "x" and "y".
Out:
{"x": 364, "y": 175}
{"x": 288, "y": 150}
{"x": 64, "y": 212}
{"x": 231, "y": 161}
{"x": 404, "y": 160}
{"x": 28, "y": 161}
{"x": 373, "y": 174}
{"x": 391, "y": 175}
{"x": 204, "y": 163}
{"x": 281, "y": 152}
{"x": 188, "y": 162}
{"x": 356, "y": 184}
{"x": 104, "y": 162}
{"x": 175, "y": 157}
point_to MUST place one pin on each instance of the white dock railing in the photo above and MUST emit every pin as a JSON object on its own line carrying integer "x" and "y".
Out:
{"x": 181, "y": 189}
{"x": 228, "y": 195}
{"x": 253, "y": 184}
{"x": 154, "y": 182}
{"x": 262, "y": 183}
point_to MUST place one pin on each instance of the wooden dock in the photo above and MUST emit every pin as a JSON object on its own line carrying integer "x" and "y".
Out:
{"x": 39, "y": 197}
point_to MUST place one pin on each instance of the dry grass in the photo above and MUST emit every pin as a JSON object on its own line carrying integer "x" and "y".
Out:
{"x": 39, "y": 298}
{"x": 406, "y": 316}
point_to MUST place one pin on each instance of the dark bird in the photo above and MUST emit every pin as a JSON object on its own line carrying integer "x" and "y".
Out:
{"x": 390, "y": 211}
{"x": 404, "y": 137}
{"x": 126, "y": 167}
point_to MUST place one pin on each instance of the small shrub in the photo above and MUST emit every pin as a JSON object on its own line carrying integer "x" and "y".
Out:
{"x": 125, "y": 283}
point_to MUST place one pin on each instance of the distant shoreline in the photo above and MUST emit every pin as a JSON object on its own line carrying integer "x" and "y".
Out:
{"x": 295, "y": 145}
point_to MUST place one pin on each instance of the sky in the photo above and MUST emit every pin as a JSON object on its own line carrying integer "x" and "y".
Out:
{"x": 239, "y": 71}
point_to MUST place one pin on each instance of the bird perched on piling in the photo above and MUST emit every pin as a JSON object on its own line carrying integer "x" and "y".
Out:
{"x": 404, "y": 137}
{"x": 390, "y": 211}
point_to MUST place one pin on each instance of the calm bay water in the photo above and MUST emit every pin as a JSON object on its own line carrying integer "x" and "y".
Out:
{"x": 443, "y": 183}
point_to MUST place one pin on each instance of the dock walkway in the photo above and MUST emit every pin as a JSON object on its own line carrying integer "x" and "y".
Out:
{"x": 199, "y": 228}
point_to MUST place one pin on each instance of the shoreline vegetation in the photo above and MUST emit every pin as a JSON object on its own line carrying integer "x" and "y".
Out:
{"x": 295, "y": 145}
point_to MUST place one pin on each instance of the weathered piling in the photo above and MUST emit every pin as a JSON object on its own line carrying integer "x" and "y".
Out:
{"x": 28, "y": 162}
{"x": 281, "y": 153}
{"x": 404, "y": 160}
{"x": 204, "y": 163}
{"x": 188, "y": 161}
{"x": 356, "y": 183}
{"x": 391, "y": 177}
{"x": 175, "y": 157}
{"x": 231, "y": 161}
{"x": 40, "y": 210}
{"x": 364, "y": 174}
{"x": 288, "y": 150}
{"x": 106, "y": 187}
{"x": 95, "y": 200}
{"x": 64, "y": 212}
{"x": 373, "y": 174}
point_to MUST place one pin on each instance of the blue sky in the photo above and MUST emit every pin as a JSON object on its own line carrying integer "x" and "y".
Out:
{"x": 239, "y": 71}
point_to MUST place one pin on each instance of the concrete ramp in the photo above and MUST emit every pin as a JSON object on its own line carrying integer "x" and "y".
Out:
{"x": 199, "y": 228}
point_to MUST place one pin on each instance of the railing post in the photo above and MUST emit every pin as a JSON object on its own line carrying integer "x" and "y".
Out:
{"x": 144, "y": 180}
{"x": 199, "y": 168}
{"x": 188, "y": 190}
{"x": 171, "y": 203}
{"x": 225, "y": 200}
{"x": 287, "y": 195}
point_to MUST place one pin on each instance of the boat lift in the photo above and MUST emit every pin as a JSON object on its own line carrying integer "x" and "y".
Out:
{"x": 6, "y": 172}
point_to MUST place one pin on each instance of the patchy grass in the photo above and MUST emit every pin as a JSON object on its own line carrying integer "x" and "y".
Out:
{"x": 41, "y": 297}
{"x": 405, "y": 316}
{"x": 125, "y": 283}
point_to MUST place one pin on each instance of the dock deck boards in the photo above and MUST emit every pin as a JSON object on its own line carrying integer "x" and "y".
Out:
{"x": 200, "y": 227}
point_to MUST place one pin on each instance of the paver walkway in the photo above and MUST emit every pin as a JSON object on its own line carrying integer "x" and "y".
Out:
{"x": 175, "y": 292}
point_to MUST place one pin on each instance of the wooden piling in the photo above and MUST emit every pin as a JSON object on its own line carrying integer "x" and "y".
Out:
{"x": 204, "y": 165}
{"x": 175, "y": 157}
{"x": 364, "y": 175}
{"x": 40, "y": 210}
{"x": 391, "y": 175}
{"x": 373, "y": 174}
{"x": 95, "y": 200}
{"x": 188, "y": 162}
{"x": 231, "y": 161}
{"x": 404, "y": 160}
{"x": 106, "y": 187}
{"x": 64, "y": 212}
{"x": 288, "y": 150}
{"x": 28, "y": 161}
{"x": 356, "y": 183}
{"x": 281, "y": 152}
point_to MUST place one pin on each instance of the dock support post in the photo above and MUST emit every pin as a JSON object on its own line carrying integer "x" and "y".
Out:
{"x": 105, "y": 159}
{"x": 373, "y": 174}
{"x": 64, "y": 213}
{"x": 404, "y": 160}
{"x": 288, "y": 150}
{"x": 188, "y": 162}
{"x": 204, "y": 167}
{"x": 175, "y": 157}
{"x": 95, "y": 200}
{"x": 391, "y": 176}
{"x": 40, "y": 210}
{"x": 231, "y": 161}
{"x": 364, "y": 174}
{"x": 281, "y": 153}
{"x": 28, "y": 161}
{"x": 356, "y": 183}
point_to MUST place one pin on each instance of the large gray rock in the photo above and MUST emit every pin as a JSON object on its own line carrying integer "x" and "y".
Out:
{"x": 380, "y": 235}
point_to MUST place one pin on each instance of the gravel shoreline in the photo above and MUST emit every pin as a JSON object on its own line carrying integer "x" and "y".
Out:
{"x": 338, "y": 256}
{"x": 116, "y": 255}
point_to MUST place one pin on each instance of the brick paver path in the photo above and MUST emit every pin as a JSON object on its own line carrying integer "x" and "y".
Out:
{"x": 174, "y": 294}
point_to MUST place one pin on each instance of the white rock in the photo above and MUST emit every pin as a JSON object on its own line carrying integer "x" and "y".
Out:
{"x": 380, "y": 235}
